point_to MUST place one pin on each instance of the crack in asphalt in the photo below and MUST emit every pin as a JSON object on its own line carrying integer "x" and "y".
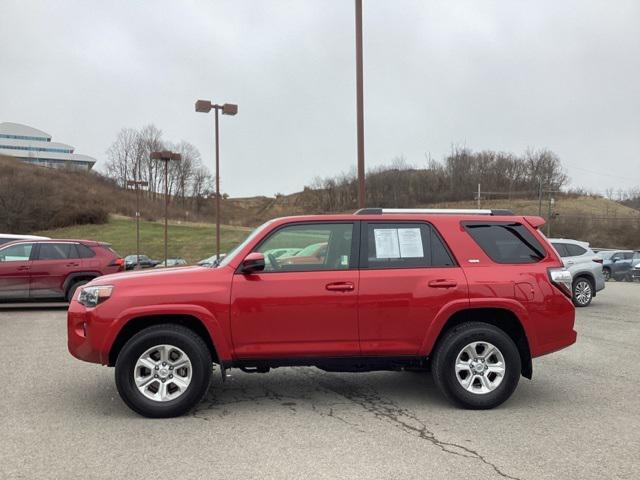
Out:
{"x": 382, "y": 409}
{"x": 407, "y": 421}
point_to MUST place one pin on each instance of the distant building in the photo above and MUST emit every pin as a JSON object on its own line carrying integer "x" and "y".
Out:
{"x": 35, "y": 146}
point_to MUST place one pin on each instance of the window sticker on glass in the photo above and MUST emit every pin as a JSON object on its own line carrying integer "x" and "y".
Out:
{"x": 387, "y": 244}
{"x": 410, "y": 240}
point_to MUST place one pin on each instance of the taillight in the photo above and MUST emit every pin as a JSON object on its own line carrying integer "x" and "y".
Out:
{"x": 598, "y": 260}
{"x": 118, "y": 262}
{"x": 561, "y": 278}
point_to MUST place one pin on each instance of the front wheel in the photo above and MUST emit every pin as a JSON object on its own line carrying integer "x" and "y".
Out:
{"x": 163, "y": 371}
{"x": 607, "y": 274}
{"x": 476, "y": 366}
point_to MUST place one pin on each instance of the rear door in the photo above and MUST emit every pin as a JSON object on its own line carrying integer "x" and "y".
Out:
{"x": 406, "y": 276}
{"x": 15, "y": 265}
{"x": 52, "y": 264}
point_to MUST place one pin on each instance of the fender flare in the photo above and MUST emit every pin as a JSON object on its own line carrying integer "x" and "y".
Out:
{"x": 204, "y": 316}
{"x": 448, "y": 310}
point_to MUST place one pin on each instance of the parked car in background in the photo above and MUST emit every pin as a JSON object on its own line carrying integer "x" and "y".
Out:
{"x": 476, "y": 296}
{"x": 211, "y": 261}
{"x": 585, "y": 267}
{"x": 172, "y": 262}
{"x": 617, "y": 264}
{"x": 10, "y": 237}
{"x": 635, "y": 261}
{"x": 52, "y": 269}
{"x": 130, "y": 262}
{"x": 635, "y": 272}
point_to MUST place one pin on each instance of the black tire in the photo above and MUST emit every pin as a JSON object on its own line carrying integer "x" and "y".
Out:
{"x": 452, "y": 344}
{"x": 74, "y": 287}
{"x": 166, "y": 334}
{"x": 578, "y": 286}
{"x": 607, "y": 274}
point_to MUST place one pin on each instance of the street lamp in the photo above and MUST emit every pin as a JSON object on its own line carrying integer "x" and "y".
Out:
{"x": 166, "y": 156}
{"x": 205, "y": 106}
{"x": 137, "y": 184}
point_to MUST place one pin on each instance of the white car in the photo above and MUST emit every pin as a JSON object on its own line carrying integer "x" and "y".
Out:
{"x": 585, "y": 267}
{"x": 10, "y": 237}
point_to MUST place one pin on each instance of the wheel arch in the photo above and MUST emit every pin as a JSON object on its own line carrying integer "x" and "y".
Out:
{"x": 502, "y": 318}
{"x": 139, "y": 323}
{"x": 76, "y": 277}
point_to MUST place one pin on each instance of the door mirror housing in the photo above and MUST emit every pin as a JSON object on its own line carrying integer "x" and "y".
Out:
{"x": 252, "y": 263}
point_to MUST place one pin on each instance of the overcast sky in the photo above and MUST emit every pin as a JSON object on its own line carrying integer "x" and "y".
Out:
{"x": 504, "y": 75}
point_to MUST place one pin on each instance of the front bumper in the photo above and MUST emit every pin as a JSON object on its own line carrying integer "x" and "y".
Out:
{"x": 84, "y": 335}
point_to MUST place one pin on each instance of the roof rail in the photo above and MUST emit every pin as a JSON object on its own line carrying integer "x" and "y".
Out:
{"x": 430, "y": 211}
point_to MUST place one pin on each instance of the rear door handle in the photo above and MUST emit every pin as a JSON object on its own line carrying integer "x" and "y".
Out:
{"x": 443, "y": 283}
{"x": 73, "y": 264}
{"x": 340, "y": 287}
{"x": 23, "y": 268}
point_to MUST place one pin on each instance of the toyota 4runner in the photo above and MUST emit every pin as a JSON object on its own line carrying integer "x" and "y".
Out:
{"x": 473, "y": 295}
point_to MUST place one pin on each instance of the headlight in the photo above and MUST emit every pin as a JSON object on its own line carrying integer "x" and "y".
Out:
{"x": 92, "y": 296}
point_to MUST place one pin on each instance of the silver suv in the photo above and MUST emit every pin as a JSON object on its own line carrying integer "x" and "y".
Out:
{"x": 585, "y": 267}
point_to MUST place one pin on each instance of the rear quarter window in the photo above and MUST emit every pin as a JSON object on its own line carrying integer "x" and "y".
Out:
{"x": 506, "y": 242}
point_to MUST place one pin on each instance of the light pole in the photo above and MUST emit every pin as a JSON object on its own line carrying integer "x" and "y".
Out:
{"x": 166, "y": 156}
{"x": 360, "y": 105}
{"x": 137, "y": 184}
{"x": 205, "y": 106}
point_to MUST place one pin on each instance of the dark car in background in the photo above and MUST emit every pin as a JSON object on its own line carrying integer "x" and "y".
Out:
{"x": 617, "y": 264}
{"x": 172, "y": 262}
{"x": 52, "y": 269}
{"x": 130, "y": 262}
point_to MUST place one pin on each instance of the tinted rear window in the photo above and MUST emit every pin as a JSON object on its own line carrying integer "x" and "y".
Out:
{"x": 506, "y": 242}
{"x": 561, "y": 248}
{"x": 85, "y": 252}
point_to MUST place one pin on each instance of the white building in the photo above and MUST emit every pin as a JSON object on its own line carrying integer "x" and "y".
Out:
{"x": 35, "y": 146}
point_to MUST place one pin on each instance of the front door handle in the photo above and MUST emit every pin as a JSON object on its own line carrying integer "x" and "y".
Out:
{"x": 23, "y": 268}
{"x": 443, "y": 283}
{"x": 340, "y": 287}
{"x": 73, "y": 264}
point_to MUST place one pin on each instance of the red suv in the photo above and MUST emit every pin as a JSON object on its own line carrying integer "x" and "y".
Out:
{"x": 52, "y": 269}
{"x": 474, "y": 295}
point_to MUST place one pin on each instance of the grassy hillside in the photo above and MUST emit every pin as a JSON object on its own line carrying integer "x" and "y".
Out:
{"x": 191, "y": 241}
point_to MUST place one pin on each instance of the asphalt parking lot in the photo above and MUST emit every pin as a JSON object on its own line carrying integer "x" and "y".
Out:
{"x": 578, "y": 418}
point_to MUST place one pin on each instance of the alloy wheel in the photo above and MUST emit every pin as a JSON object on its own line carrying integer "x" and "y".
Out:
{"x": 163, "y": 373}
{"x": 480, "y": 367}
{"x": 582, "y": 292}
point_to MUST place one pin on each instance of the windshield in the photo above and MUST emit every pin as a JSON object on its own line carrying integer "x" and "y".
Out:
{"x": 232, "y": 254}
{"x": 606, "y": 255}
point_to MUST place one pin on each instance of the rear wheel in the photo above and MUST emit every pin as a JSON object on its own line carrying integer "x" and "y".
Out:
{"x": 163, "y": 371}
{"x": 582, "y": 292}
{"x": 477, "y": 366}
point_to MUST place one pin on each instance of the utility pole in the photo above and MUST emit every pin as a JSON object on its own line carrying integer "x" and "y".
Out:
{"x": 360, "y": 106}
{"x": 478, "y": 197}
{"x": 550, "y": 217}
{"x": 137, "y": 184}
{"x": 540, "y": 197}
{"x": 166, "y": 156}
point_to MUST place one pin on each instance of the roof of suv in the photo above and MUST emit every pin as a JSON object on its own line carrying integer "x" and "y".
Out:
{"x": 93, "y": 243}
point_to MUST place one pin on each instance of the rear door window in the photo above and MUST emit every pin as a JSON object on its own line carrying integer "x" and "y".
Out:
{"x": 506, "y": 242}
{"x": 561, "y": 248}
{"x": 403, "y": 245}
{"x": 57, "y": 251}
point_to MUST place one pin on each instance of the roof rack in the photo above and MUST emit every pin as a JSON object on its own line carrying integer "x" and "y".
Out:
{"x": 430, "y": 211}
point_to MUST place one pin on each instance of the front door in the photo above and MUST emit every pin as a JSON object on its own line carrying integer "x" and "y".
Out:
{"x": 304, "y": 303}
{"x": 15, "y": 264}
{"x": 406, "y": 276}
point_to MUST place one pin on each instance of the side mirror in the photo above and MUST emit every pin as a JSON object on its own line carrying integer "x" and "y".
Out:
{"x": 252, "y": 263}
